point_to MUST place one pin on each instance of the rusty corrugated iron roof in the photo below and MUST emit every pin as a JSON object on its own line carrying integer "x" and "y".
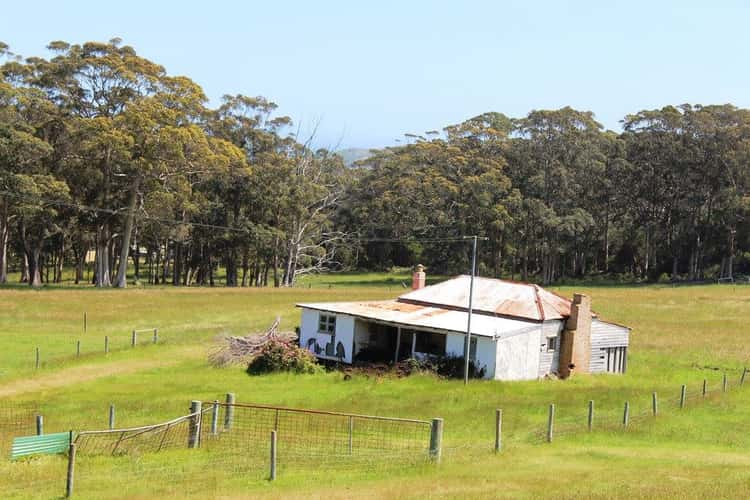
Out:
{"x": 493, "y": 296}
{"x": 441, "y": 319}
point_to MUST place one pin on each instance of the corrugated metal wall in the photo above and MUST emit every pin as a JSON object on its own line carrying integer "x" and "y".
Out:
{"x": 548, "y": 360}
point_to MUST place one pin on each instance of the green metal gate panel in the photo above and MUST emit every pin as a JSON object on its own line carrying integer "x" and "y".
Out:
{"x": 46, "y": 444}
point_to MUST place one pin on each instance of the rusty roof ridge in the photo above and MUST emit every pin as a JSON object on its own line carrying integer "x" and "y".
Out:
{"x": 538, "y": 301}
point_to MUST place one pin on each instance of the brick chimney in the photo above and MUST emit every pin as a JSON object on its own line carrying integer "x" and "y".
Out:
{"x": 575, "y": 348}
{"x": 418, "y": 278}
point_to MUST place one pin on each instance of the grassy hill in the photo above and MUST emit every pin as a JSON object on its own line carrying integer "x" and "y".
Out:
{"x": 680, "y": 336}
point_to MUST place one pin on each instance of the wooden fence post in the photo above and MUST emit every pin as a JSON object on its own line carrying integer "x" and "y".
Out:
{"x": 215, "y": 418}
{"x": 39, "y": 425}
{"x": 85, "y": 322}
{"x": 36, "y": 365}
{"x": 78, "y": 349}
{"x": 724, "y": 383}
{"x": 229, "y": 411}
{"x": 194, "y": 428}
{"x": 704, "y": 387}
{"x": 111, "y": 416}
{"x": 71, "y": 468}
{"x": 683, "y": 391}
{"x": 590, "y": 420}
{"x": 655, "y": 404}
{"x": 134, "y": 339}
{"x": 156, "y": 335}
{"x": 273, "y": 456}
{"x": 550, "y": 422}
{"x": 498, "y": 430}
{"x": 106, "y": 344}
{"x": 626, "y": 414}
{"x": 742, "y": 378}
{"x": 436, "y": 439}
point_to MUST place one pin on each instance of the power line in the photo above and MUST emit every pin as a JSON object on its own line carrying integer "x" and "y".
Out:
{"x": 120, "y": 211}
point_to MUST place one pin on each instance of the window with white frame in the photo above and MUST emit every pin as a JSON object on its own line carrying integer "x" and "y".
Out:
{"x": 327, "y": 323}
{"x": 551, "y": 344}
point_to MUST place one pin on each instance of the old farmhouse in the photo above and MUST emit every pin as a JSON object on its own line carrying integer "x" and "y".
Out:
{"x": 519, "y": 331}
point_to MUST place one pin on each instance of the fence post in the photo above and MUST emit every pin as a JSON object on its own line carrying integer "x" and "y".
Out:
{"x": 229, "y": 411}
{"x": 194, "y": 428}
{"x": 655, "y": 404}
{"x": 626, "y": 414}
{"x": 134, "y": 339}
{"x": 273, "y": 456}
{"x": 704, "y": 387}
{"x": 724, "y": 383}
{"x": 215, "y": 418}
{"x": 85, "y": 322}
{"x": 683, "y": 391}
{"x": 106, "y": 344}
{"x": 498, "y": 430}
{"x": 71, "y": 468}
{"x": 436, "y": 439}
{"x": 78, "y": 348}
{"x": 351, "y": 435}
{"x": 36, "y": 364}
{"x": 111, "y": 416}
{"x": 742, "y": 378}
{"x": 590, "y": 419}
{"x": 550, "y": 422}
{"x": 156, "y": 335}
{"x": 39, "y": 425}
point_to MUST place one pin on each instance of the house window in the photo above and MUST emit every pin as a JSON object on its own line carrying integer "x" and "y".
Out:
{"x": 430, "y": 343}
{"x": 551, "y": 343}
{"x": 327, "y": 324}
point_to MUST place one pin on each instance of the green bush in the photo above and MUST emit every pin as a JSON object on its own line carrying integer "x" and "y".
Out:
{"x": 281, "y": 356}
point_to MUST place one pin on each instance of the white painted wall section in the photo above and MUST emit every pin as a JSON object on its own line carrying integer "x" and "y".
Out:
{"x": 518, "y": 356}
{"x": 344, "y": 334}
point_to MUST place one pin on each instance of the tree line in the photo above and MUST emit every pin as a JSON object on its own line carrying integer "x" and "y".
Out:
{"x": 106, "y": 158}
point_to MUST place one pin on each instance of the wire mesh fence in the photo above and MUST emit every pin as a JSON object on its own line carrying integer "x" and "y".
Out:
{"x": 226, "y": 447}
{"x": 16, "y": 419}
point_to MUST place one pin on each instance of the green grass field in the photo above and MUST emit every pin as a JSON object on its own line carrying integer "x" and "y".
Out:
{"x": 680, "y": 336}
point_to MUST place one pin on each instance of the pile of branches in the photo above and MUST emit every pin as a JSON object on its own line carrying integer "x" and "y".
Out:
{"x": 232, "y": 349}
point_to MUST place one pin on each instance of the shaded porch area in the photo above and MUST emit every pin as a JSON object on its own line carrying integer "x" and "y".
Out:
{"x": 377, "y": 342}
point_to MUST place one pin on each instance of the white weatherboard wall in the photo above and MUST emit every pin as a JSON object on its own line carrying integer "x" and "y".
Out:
{"x": 549, "y": 361}
{"x": 604, "y": 335}
{"x": 344, "y": 333}
{"x": 518, "y": 356}
{"x": 485, "y": 355}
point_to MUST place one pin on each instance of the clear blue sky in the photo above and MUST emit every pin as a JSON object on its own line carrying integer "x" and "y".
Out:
{"x": 371, "y": 71}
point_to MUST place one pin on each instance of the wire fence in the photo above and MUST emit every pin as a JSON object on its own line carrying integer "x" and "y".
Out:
{"x": 227, "y": 447}
{"x": 16, "y": 419}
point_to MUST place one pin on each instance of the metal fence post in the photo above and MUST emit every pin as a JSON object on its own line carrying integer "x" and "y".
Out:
{"x": 194, "y": 428}
{"x": 590, "y": 419}
{"x": 229, "y": 411}
{"x": 215, "y": 418}
{"x": 436, "y": 439}
{"x": 683, "y": 391}
{"x": 71, "y": 468}
{"x": 655, "y": 404}
{"x": 626, "y": 414}
{"x": 742, "y": 378}
{"x": 39, "y": 425}
{"x": 273, "y": 456}
{"x": 498, "y": 430}
{"x": 551, "y": 422}
{"x": 111, "y": 416}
